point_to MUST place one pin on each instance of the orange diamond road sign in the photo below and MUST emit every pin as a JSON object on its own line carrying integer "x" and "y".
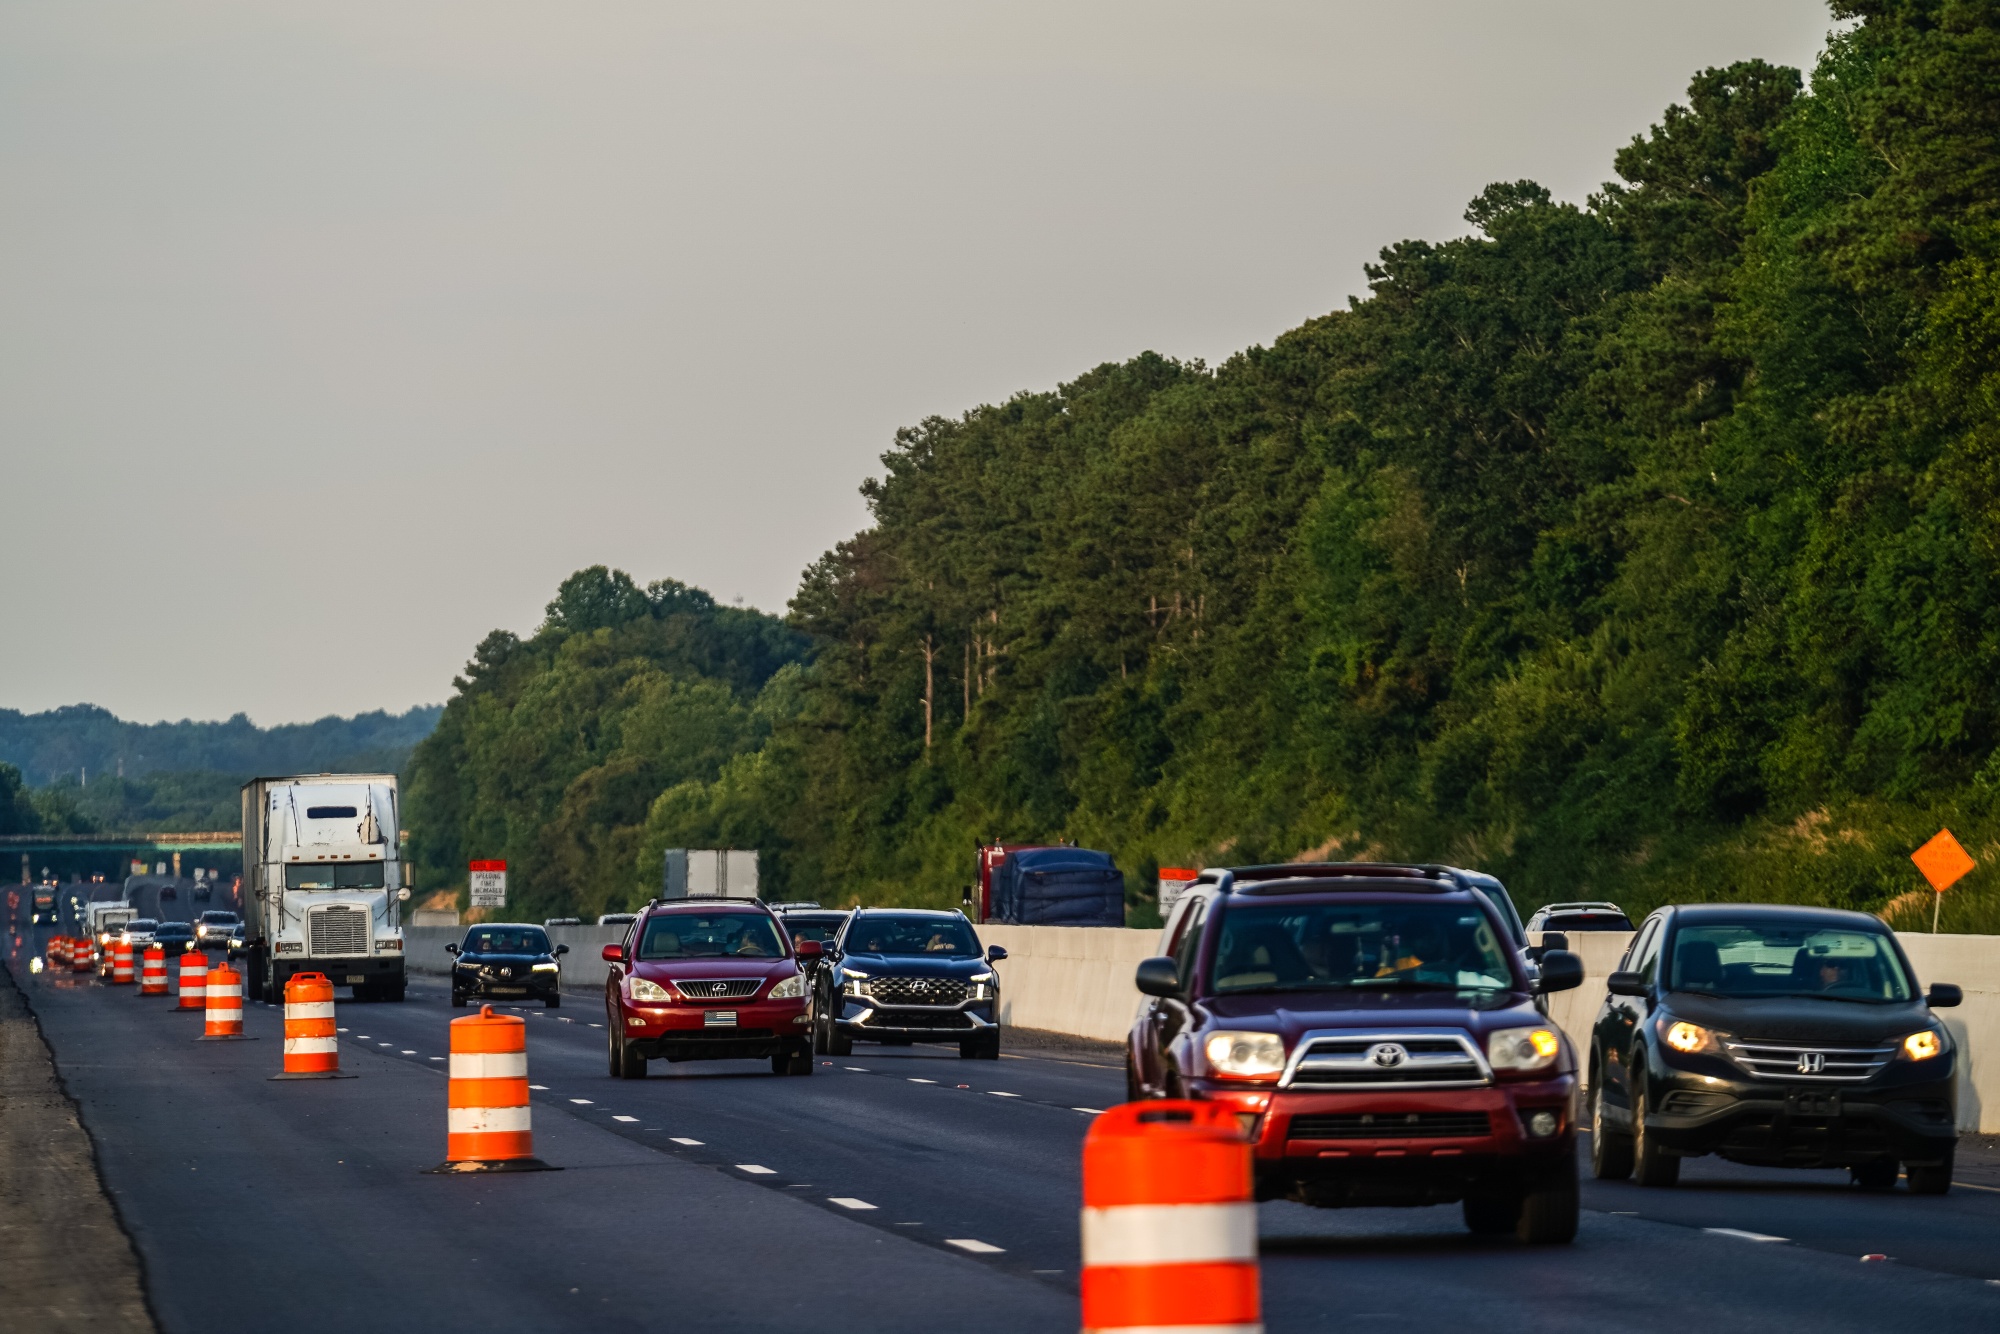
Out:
{"x": 1943, "y": 861}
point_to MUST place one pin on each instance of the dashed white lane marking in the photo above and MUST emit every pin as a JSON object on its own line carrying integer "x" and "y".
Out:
{"x": 625, "y": 1118}
{"x": 996, "y": 1093}
{"x": 597, "y": 1025}
{"x": 849, "y": 1202}
{"x": 539, "y": 1088}
{"x": 757, "y": 1169}
{"x": 362, "y": 1037}
{"x": 1746, "y": 1236}
{"x": 678, "y": 1140}
{"x": 340, "y": 1030}
{"x": 857, "y": 1069}
{"x": 914, "y": 1080}
{"x": 974, "y": 1245}
{"x": 1093, "y": 1111}
{"x": 440, "y": 1058}
{"x": 582, "y": 1102}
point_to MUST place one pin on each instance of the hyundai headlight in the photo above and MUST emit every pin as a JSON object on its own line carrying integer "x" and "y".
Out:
{"x": 1248, "y": 1054}
{"x": 1922, "y": 1046}
{"x": 1688, "y": 1038}
{"x": 853, "y": 983}
{"x": 639, "y": 989}
{"x": 791, "y": 988}
{"x": 1522, "y": 1049}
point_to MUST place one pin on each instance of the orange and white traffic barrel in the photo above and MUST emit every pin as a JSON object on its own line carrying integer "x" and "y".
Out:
{"x": 223, "y": 1013}
{"x": 153, "y": 975}
{"x": 486, "y": 1118}
{"x": 1169, "y": 1221}
{"x": 121, "y": 962}
{"x": 194, "y": 981}
{"x": 58, "y": 951}
{"x": 82, "y": 954}
{"x": 312, "y": 1050}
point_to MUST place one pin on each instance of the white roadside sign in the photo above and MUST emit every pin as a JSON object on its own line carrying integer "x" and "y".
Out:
{"x": 489, "y": 884}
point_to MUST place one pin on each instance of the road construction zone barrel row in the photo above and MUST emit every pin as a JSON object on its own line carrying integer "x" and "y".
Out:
{"x": 193, "y": 981}
{"x": 223, "y": 1010}
{"x": 311, "y": 1044}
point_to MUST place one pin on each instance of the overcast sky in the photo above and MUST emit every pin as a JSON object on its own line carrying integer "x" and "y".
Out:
{"x": 333, "y": 335}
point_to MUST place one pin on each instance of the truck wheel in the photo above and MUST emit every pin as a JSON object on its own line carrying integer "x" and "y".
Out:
{"x": 1933, "y": 1180}
{"x": 1549, "y": 1210}
{"x": 1650, "y": 1165}
{"x": 1492, "y": 1213}
{"x": 1610, "y": 1150}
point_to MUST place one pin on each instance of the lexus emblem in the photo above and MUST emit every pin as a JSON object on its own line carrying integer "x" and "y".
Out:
{"x": 1811, "y": 1062}
{"x": 1388, "y": 1055}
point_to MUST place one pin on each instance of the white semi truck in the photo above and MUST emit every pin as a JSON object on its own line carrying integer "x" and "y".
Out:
{"x": 322, "y": 883}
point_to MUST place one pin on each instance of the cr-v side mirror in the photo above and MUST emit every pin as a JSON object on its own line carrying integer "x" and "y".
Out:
{"x": 1625, "y": 983}
{"x": 995, "y": 953}
{"x": 1158, "y": 977}
{"x": 1561, "y": 971}
{"x": 1943, "y": 995}
{"x": 614, "y": 954}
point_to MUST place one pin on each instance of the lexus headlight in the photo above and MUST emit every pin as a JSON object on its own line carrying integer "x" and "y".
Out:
{"x": 1688, "y": 1038}
{"x": 1233, "y": 1053}
{"x": 791, "y": 988}
{"x": 1523, "y": 1048}
{"x": 639, "y": 989}
{"x": 1922, "y": 1046}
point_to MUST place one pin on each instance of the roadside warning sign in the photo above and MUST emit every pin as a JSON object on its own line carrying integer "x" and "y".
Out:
{"x": 489, "y": 884}
{"x": 1943, "y": 862}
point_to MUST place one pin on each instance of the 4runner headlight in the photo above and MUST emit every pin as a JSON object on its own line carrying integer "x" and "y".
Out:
{"x": 1688, "y": 1038}
{"x": 639, "y": 989}
{"x": 1922, "y": 1046}
{"x": 1523, "y": 1048}
{"x": 1234, "y": 1053}
{"x": 791, "y": 988}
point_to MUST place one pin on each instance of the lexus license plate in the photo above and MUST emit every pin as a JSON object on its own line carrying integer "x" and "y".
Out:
{"x": 355, "y": 979}
{"x": 719, "y": 1019}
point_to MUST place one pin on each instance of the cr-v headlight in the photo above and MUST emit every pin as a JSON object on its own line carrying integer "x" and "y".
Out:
{"x": 1688, "y": 1038}
{"x": 639, "y": 989}
{"x": 1921, "y": 1046}
{"x": 790, "y": 988}
{"x": 1522, "y": 1048}
{"x": 1234, "y": 1053}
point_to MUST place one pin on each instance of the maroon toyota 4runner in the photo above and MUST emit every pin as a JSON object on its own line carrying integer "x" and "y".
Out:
{"x": 1377, "y": 1033}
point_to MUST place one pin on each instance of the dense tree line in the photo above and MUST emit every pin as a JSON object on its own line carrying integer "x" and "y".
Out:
{"x": 1644, "y": 548}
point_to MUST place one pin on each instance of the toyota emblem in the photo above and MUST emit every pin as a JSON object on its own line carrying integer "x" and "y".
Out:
{"x": 1811, "y": 1062}
{"x": 1388, "y": 1055}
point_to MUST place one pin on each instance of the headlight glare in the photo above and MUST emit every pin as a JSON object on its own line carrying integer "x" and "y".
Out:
{"x": 1688, "y": 1038}
{"x": 639, "y": 989}
{"x": 1922, "y": 1046}
{"x": 1523, "y": 1048}
{"x": 790, "y": 988}
{"x": 1246, "y": 1054}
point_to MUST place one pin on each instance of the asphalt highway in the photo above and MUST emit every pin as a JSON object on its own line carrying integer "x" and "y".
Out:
{"x": 897, "y": 1189}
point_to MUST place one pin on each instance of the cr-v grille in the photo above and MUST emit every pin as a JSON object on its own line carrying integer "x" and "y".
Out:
{"x": 1391, "y": 1125}
{"x": 338, "y": 931}
{"x": 718, "y": 988}
{"x": 1790, "y": 1061}
{"x": 916, "y": 990}
{"x": 1393, "y": 1060}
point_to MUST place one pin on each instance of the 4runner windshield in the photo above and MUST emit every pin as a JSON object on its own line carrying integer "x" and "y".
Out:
{"x": 1788, "y": 959}
{"x": 736, "y": 935}
{"x": 1311, "y": 946}
{"x": 890, "y": 934}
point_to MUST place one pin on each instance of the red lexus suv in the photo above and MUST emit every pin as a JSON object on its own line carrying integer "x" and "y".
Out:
{"x": 1380, "y": 1037}
{"x": 707, "y": 980}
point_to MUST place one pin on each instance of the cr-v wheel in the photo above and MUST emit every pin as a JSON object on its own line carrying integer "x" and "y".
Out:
{"x": 1610, "y": 1150}
{"x": 1650, "y": 1165}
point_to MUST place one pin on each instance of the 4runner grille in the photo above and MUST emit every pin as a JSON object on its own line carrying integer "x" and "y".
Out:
{"x": 1391, "y": 1125}
{"x": 917, "y": 990}
{"x": 1389, "y": 1060}
{"x": 718, "y": 988}
{"x": 337, "y": 931}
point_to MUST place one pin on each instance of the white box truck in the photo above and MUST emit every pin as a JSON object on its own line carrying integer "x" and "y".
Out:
{"x": 322, "y": 882}
{"x": 729, "y": 873}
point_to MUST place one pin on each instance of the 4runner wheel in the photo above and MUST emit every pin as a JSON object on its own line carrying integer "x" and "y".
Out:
{"x": 1932, "y": 1180}
{"x": 1610, "y": 1150}
{"x": 1134, "y": 1090}
{"x": 1549, "y": 1209}
{"x": 1650, "y": 1165}
{"x": 1878, "y": 1175}
{"x": 1492, "y": 1213}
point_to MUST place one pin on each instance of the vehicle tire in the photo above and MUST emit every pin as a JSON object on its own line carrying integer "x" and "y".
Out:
{"x": 631, "y": 1065}
{"x": 400, "y": 992}
{"x": 989, "y": 1050}
{"x": 1610, "y": 1150}
{"x": 1134, "y": 1090}
{"x": 1492, "y": 1213}
{"x": 1549, "y": 1209}
{"x": 552, "y": 1001}
{"x": 1935, "y": 1180}
{"x": 793, "y": 1061}
{"x": 837, "y": 1042}
{"x": 457, "y": 1000}
{"x": 1650, "y": 1166}
{"x": 1877, "y": 1175}
{"x": 781, "y": 1063}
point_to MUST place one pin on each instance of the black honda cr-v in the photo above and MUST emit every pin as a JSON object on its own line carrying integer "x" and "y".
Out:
{"x": 903, "y": 975}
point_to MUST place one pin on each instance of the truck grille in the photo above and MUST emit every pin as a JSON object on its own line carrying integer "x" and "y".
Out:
{"x": 337, "y": 931}
{"x": 917, "y": 990}
{"x": 718, "y": 988}
{"x": 1391, "y": 1125}
{"x": 1389, "y": 1060}
{"x": 1821, "y": 1065}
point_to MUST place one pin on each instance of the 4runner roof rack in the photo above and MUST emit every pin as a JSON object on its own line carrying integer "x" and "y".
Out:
{"x": 1318, "y": 877}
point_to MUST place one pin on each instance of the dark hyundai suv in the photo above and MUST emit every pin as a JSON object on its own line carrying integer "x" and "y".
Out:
{"x": 904, "y": 975}
{"x": 1377, "y": 1033}
{"x": 506, "y": 959}
{"x": 1778, "y": 1036}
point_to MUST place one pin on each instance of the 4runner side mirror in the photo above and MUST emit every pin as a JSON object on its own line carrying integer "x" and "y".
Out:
{"x": 614, "y": 954}
{"x": 451, "y": 949}
{"x": 808, "y": 949}
{"x": 1561, "y": 971}
{"x": 1626, "y": 983}
{"x": 995, "y": 953}
{"x": 1943, "y": 995}
{"x": 1158, "y": 977}
{"x": 558, "y": 951}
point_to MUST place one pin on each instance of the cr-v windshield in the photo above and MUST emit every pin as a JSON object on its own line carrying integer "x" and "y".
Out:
{"x": 889, "y": 933}
{"x": 1302, "y": 947}
{"x": 334, "y": 875}
{"x": 1787, "y": 959}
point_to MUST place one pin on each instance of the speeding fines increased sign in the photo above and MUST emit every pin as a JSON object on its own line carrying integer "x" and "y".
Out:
{"x": 489, "y": 884}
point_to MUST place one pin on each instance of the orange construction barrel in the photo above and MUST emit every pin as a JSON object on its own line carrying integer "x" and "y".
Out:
{"x": 153, "y": 976}
{"x": 312, "y": 1049}
{"x": 194, "y": 981}
{"x": 486, "y": 1102}
{"x": 121, "y": 962}
{"x": 223, "y": 1013}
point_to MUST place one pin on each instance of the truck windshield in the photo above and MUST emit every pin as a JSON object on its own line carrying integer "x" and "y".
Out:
{"x": 1787, "y": 959}
{"x": 335, "y": 875}
{"x": 1314, "y": 946}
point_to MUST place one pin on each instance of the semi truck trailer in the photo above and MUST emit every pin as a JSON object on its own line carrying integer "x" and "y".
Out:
{"x": 323, "y": 883}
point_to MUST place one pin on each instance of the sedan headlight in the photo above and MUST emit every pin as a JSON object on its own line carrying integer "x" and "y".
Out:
{"x": 1922, "y": 1046}
{"x": 547, "y": 967}
{"x": 1246, "y": 1054}
{"x": 791, "y": 988}
{"x": 1522, "y": 1049}
{"x": 639, "y": 989}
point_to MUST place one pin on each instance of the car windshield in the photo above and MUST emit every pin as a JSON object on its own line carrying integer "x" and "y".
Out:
{"x": 174, "y": 931}
{"x": 736, "y": 935}
{"x": 334, "y": 875}
{"x": 1788, "y": 959}
{"x": 1311, "y": 946}
{"x": 507, "y": 940}
{"x": 888, "y": 933}
{"x": 808, "y": 929}
{"x": 219, "y": 918}
{"x": 141, "y": 924}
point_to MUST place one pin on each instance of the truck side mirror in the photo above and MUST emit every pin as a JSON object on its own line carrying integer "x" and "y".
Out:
{"x": 995, "y": 953}
{"x": 1626, "y": 983}
{"x": 1561, "y": 971}
{"x": 403, "y": 894}
{"x": 1943, "y": 995}
{"x": 1158, "y": 977}
{"x": 614, "y": 954}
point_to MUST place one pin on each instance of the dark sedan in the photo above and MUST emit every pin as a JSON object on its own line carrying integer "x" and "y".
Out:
{"x": 507, "y": 961}
{"x": 1774, "y": 1036}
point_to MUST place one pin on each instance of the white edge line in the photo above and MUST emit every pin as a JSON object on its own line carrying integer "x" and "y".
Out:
{"x": 1746, "y": 1236}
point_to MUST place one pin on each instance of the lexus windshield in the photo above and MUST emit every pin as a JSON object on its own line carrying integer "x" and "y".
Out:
{"x": 1788, "y": 959}
{"x": 731, "y": 935}
{"x": 1360, "y": 946}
